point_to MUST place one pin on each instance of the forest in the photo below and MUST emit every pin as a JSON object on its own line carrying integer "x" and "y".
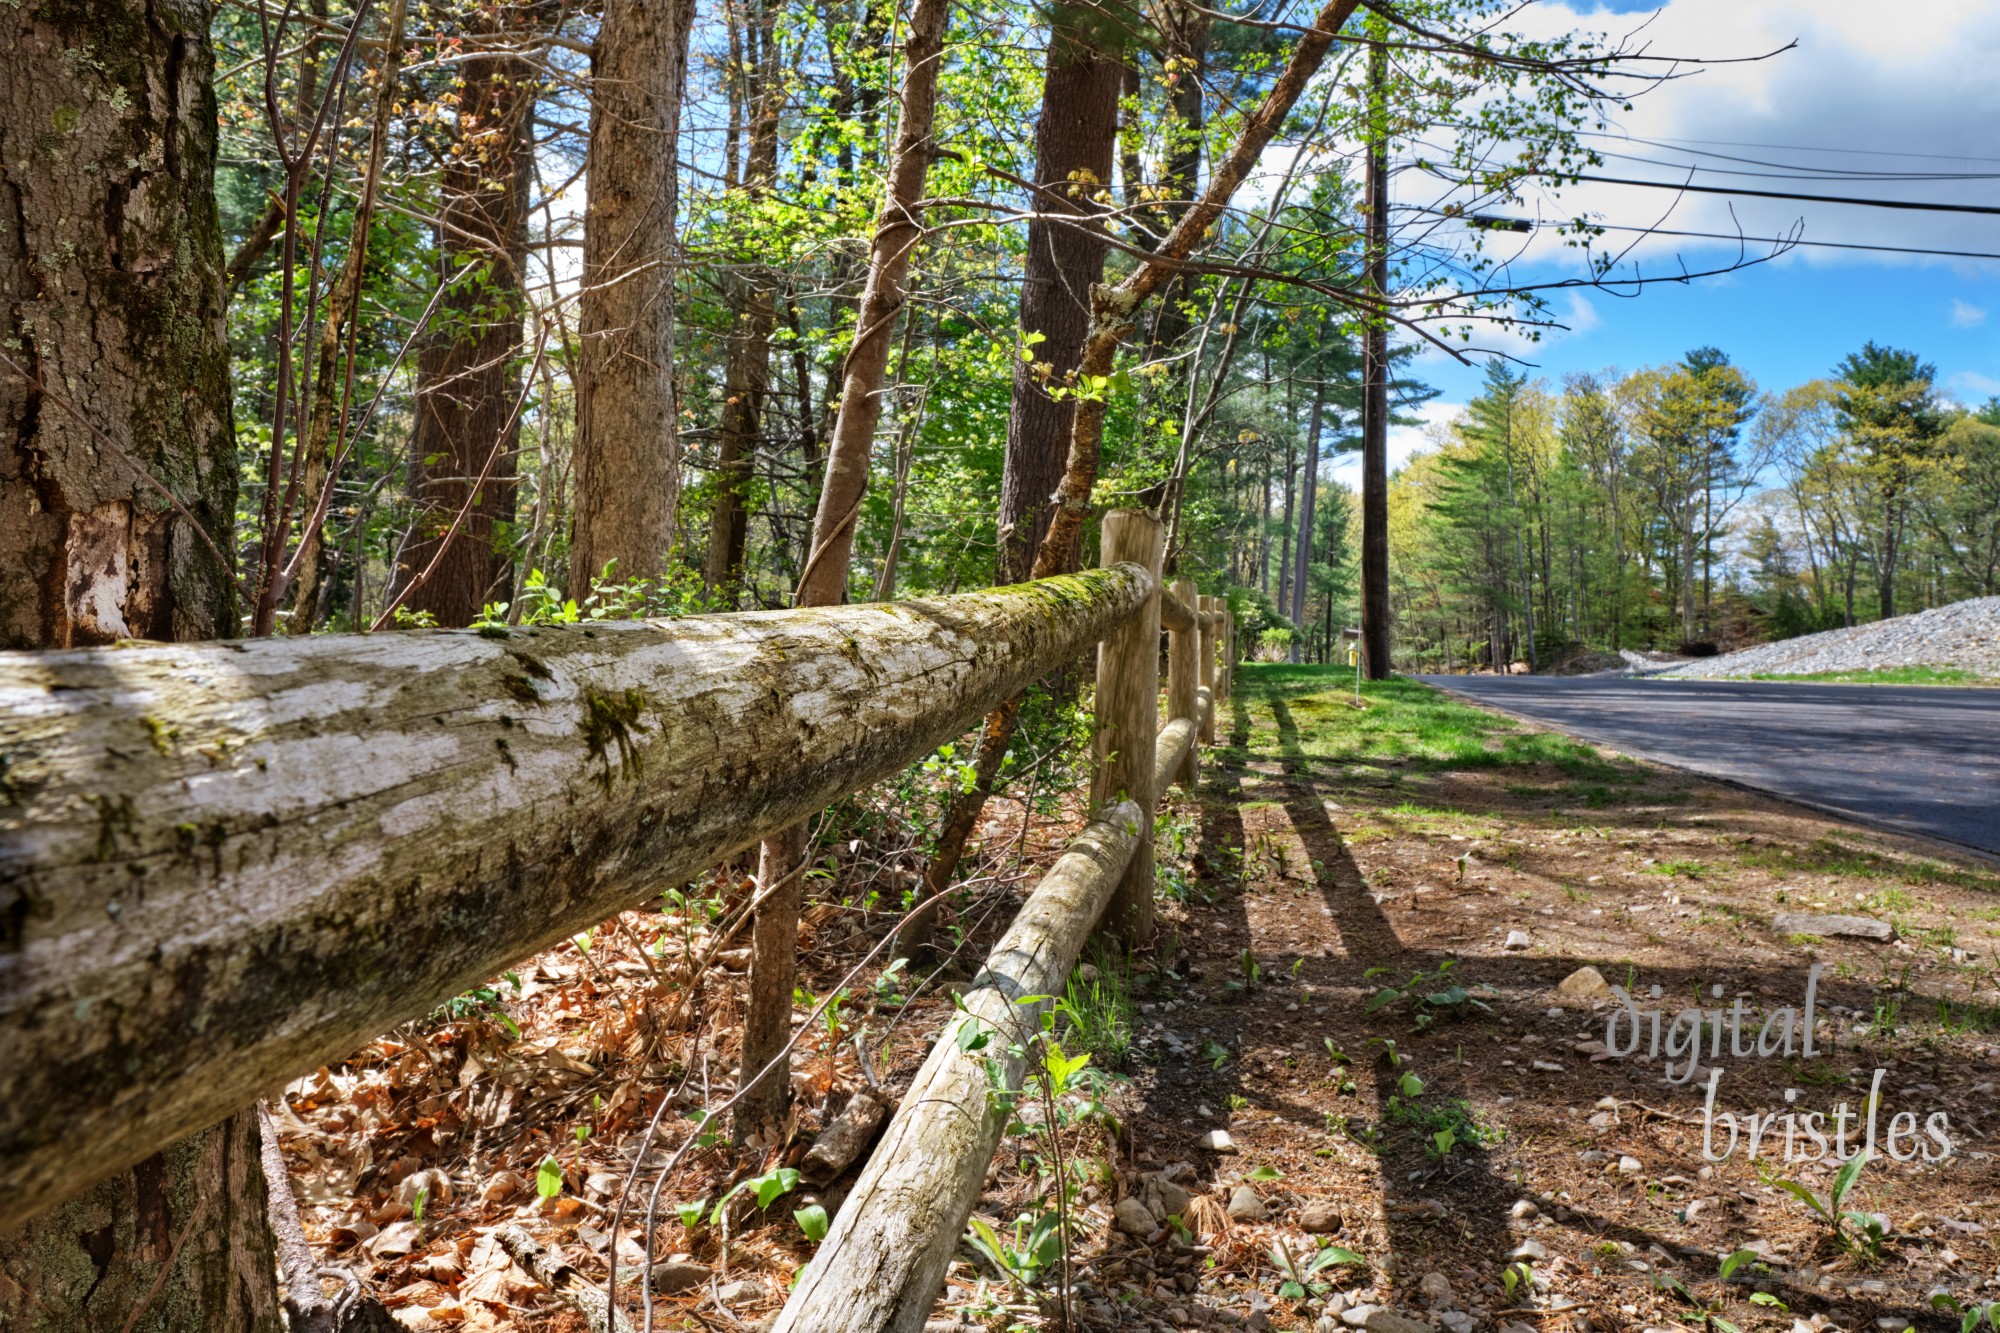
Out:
{"x": 325, "y": 320}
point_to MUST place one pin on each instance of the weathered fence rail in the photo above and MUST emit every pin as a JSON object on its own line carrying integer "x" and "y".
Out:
{"x": 222, "y": 864}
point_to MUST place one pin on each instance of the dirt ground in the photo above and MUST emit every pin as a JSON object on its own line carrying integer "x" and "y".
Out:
{"x": 1477, "y": 1155}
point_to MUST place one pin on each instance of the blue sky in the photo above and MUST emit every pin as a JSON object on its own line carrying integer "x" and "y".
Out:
{"x": 1864, "y": 91}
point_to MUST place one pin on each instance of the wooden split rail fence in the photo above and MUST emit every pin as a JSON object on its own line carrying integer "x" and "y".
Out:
{"x": 223, "y": 864}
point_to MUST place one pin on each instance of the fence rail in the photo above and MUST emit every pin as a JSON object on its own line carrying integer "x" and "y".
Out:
{"x": 222, "y": 864}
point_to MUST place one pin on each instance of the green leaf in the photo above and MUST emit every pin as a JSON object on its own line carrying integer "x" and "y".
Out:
{"x": 813, "y": 1221}
{"x": 972, "y": 1037}
{"x": 1446, "y": 1139}
{"x": 775, "y": 1183}
{"x": 690, "y": 1213}
{"x": 1265, "y": 1173}
{"x": 1844, "y": 1181}
{"x": 1410, "y": 1085}
{"x": 1766, "y": 1298}
{"x": 549, "y": 1178}
{"x": 1736, "y": 1261}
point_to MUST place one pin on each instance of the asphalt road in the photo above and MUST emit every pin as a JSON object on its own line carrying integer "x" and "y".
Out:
{"x": 1917, "y": 758}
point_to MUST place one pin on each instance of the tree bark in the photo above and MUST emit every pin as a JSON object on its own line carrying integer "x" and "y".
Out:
{"x": 330, "y": 393}
{"x": 1075, "y": 137}
{"x": 1308, "y": 498}
{"x": 628, "y": 449}
{"x": 879, "y": 1269}
{"x": 111, "y": 293}
{"x": 1375, "y": 389}
{"x": 466, "y": 436}
{"x": 1112, "y": 310}
{"x": 227, "y": 863}
{"x": 823, "y": 582}
{"x": 747, "y": 372}
{"x": 111, "y": 297}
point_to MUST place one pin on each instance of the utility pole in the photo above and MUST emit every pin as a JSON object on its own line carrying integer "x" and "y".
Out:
{"x": 1375, "y": 384}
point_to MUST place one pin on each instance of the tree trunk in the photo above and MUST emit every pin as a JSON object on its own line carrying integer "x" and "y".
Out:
{"x": 1308, "y": 499}
{"x": 466, "y": 435}
{"x": 129, "y": 327}
{"x": 823, "y": 582}
{"x": 305, "y": 841}
{"x": 746, "y": 375}
{"x": 1076, "y": 134}
{"x": 1375, "y": 389}
{"x": 1111, "y": 313}
{"x": 327, "y": 423}
{"x": 628, "y": 447}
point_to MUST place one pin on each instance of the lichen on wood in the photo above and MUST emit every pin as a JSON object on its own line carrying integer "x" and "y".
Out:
{"x": 350, "y": 829}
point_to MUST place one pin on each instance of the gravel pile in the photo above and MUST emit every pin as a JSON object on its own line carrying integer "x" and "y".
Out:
{"x": 1965, "y": 635}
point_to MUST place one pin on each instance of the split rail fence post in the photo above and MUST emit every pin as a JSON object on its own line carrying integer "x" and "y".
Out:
{"x": 1183, "y": 649}
{"x": 1205, "y": 613}
{"x": 1128, "y": 716}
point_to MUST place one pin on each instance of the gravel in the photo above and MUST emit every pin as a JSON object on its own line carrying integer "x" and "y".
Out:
{"x": 1965, "y": 635}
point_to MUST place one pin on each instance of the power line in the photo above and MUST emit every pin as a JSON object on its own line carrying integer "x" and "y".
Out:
{"x": 1788, "y": 241}
{"x": 1911, "y": 204}
{"x": 1488, "y": 222}
{"x": 1797, "y": 172}
{"x": 1789, "y": 147}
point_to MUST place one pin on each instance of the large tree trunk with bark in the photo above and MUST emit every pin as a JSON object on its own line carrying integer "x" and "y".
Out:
{"x": 1112, "y": 312}
{"x": 302, "y": 842}
{"x": 823, "y": 582}
{"x": 628, "y": 444}
{"x": 111, "y": 295}
{"x": 466, "y": 437}
{"x": 1075, "y": 138}
{"x": 111, "y": 314}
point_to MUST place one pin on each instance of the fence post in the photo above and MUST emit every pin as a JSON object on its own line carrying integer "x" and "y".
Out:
{"x": 1204, "y": 609}
{"x": 1183, "y": 648}
{"x": 1128, "y": 716}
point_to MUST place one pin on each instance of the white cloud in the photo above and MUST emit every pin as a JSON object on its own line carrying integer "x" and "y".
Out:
{"x": 1965, "y": 315}
{"x": 1914, "y": 93}
{"x": 1975, "y": 385}
{"x": 1404, "y": 441}
{"x": 1572, "y": 314}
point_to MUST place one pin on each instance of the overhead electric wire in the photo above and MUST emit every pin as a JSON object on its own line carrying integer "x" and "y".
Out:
{"x": 1786, "y": 241}
{"x": 1911, "y": 204}
{"x": 1804, "y": 173}
{"x": 1789, "y": 147}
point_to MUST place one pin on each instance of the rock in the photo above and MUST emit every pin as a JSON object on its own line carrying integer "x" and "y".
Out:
{"x": 1517, "y": 1328}
{"x": 1457, "y": 1321}
{"x": 1630, "y": 1166}
{"x": 1523, "y": 1209}
{"x": 1320, "y": 1217}
{"x": 1843, "y": 927}
{"x": 677, "y": 1274}
{"x": 1218, "y": 1141}
{"x": 1326, "y": 1323}
{"x": 1586, "y": 983}
{"x": 1389, "y": 1321}
{"x": 1132, "y": 1218}
{"x": 1174, "y": 1199}
{"x": 1356, "y": 1316}
{"x": 1245, "y": 1206}
{"x": 740, "y": 1292}
{"x": 1518, "y": 939}
{"x": 1530, "y": 1251}
{"x": 1435, "y": 1288}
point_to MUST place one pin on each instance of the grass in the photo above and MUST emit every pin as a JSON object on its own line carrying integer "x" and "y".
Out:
{"x": 1913, "y": 675}
{"x": 1097, "y": 1012}
{"x": 1830, "y": 856}
{"x": 1410, "y": 724}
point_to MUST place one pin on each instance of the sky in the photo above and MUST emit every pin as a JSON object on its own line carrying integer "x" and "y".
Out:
{"x": 1867, "y": 89}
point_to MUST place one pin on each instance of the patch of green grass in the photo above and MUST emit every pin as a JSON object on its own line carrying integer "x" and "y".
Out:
{"x": 1916, "y": 675}
{"x": 1097, "y": 1012}
{"x": 1830, "y": 856}
{"x": 1685, "y": 869}
{"x": 1408, "y": 724}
